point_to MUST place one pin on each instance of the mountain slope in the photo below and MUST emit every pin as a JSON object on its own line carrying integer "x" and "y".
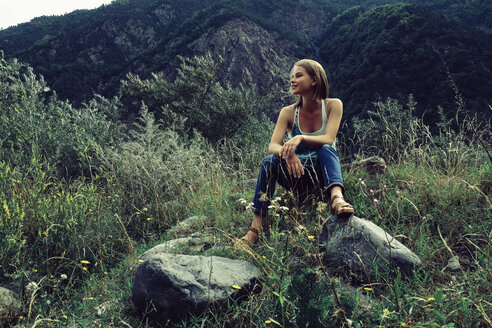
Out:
{"x": 370, "y": 52}
{"x": 396, "y": 50}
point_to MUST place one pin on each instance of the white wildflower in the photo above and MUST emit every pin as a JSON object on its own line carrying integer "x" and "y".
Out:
{"x": 284, "y": 208}
{"x": 63, "y": 276}
{"x": 31, "y": 286}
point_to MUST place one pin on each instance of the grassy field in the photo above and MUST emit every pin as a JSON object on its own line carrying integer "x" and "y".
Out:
{"x": 72, "y": 227}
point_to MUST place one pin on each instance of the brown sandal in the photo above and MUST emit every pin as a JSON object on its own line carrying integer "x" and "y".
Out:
{"x": 341, "y": 209}
{"x": 250, "y": 242}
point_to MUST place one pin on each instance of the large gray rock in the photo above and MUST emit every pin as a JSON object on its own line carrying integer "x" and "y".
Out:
{"x": 364, "y": 248}
{"x": 10, "y": 306}
{"x": 195, "y": 243}
{"x": 169, "y": 286}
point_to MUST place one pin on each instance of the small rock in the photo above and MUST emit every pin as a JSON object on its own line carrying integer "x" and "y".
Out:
{"x": 372, "y": 165}
{"x": 187, "y": 226}
{"x": 104, "y": 308}
{"x": 10, "y": 306}
{"x": 453, "y": 264}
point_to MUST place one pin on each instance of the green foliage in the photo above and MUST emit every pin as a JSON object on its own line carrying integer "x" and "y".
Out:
{"x": 395, "y": 134}
{"x": 71, "y": 245}
{"x": 195, "y": 101}
{"x": 35, "y": 125}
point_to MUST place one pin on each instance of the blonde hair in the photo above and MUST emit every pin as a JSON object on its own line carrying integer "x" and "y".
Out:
{"x": 315, "y": 70}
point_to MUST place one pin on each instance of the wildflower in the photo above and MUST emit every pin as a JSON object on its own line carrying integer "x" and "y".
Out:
{"x": 277, "y": 199}
{"x": 243, "y": 201}
{"x": 263, "y": 257}
{"x": 85, "y": 262}
{"x": 389, "y": 244}
{"x": 375, "y": 201}
{"x": 403, "y": 324}
{"x": 263, "y": 197}
{"x": 145, "y": 209}
{"x": 249, "y": 206}
{"x": 387, "y": 313}
{"x": 311, "y": 237}
{"x": 268, "y": 321}
{"x": 371, "y": 191}
{"x": 271, "y": 206}
{"x": 21, "y": 317}
{"x": 236, "y": 287}
{"x": 85, "y": 269}
{"x": 63, "y": 276}
{"x": 140, "y": 261}
{"x": 64, "y": 317}
{"x": 284, "y": 208}
{"x": 148, "y": 219}
{"x": 430, "y": 299}
{"x": 368, "y": 289}
{"x": 32, "y": 286}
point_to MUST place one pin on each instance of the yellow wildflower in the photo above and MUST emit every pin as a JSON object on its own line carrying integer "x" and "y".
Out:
{"x": 268, "y": 321}
{"x": 368, "y": 288}
{"x": 430, "y": 299}
{"x": 311, "y": 237}
{"x": 236, "y": 287}
{"x": 85, "y": 262}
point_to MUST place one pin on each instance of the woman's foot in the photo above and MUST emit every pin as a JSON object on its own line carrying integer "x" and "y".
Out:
{"x": 340, "y": 207}
{"x": 251, "y": 236}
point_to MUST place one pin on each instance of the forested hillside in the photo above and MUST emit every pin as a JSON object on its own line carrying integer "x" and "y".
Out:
{"x": 396, "y": 50}
{"x": 437, "y": 50}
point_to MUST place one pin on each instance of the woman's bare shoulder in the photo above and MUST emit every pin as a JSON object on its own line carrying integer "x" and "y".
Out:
{"x": 333, "y": 104}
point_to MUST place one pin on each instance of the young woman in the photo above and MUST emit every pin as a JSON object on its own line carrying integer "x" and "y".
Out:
{"x": 312, "y": 123}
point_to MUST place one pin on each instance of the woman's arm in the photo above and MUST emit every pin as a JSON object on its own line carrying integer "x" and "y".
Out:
{"x": 334, "y": 113}
{"x": 281, "y": 127}
{"x": 284, "y": 121}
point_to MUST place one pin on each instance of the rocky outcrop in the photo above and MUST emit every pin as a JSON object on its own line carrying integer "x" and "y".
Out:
{"x": 364, "y": 248}
{"x": 170, "y": 286}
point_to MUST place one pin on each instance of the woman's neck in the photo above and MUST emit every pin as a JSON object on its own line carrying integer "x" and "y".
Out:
{"x": 309, "y": 104}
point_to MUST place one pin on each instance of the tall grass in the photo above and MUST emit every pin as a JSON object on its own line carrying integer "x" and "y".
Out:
{"x": 72, "y": 226}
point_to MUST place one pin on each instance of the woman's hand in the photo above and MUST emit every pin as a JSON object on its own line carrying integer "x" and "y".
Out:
{"x": 294, "y": 165}
{"x": 288, "y": 148}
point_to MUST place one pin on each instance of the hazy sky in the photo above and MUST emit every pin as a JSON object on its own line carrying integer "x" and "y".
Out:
{"x": 13, "y": 12}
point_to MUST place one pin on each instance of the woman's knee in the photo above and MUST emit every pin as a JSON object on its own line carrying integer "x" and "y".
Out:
{"x": 270, "y": 161}
{"x": 328, "y": 149}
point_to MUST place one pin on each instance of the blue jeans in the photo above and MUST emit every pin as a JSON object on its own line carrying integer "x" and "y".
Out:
{"x": 274, "y": 169}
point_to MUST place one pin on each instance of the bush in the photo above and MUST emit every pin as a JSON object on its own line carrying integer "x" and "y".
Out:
{"x": 35, "y": 125}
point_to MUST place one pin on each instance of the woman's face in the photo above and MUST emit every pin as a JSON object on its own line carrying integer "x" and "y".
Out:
{"x": 300, "y": 81}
